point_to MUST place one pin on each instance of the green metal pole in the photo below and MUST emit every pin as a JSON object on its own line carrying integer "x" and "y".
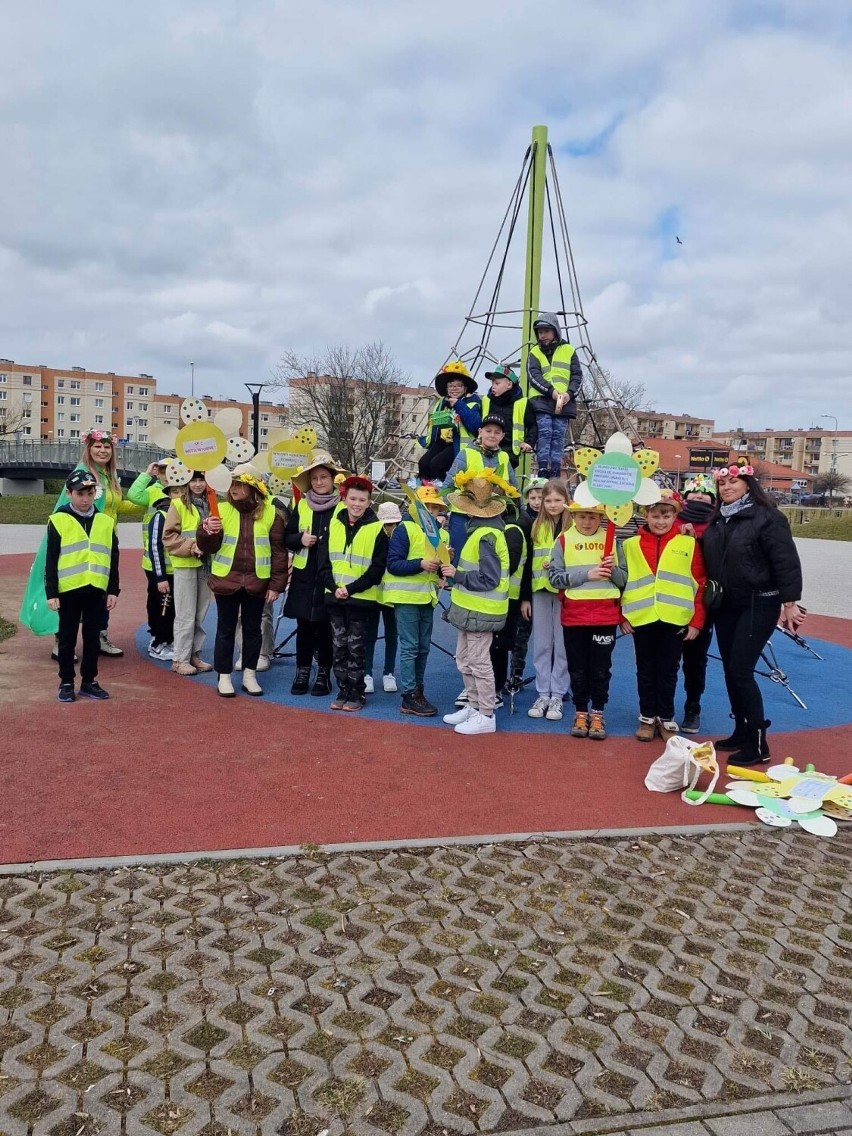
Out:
{"x": 535, "y": 233}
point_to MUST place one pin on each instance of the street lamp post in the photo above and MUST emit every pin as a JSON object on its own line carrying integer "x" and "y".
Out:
{"x": 254, "y": 390}
{"x": 677, "y": 482}
{"x": 833, "y": 417}
{"x": 192, "y": 380}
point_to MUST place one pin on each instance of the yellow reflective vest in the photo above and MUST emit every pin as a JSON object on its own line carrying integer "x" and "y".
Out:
{"x": 349, "y": 563}
{"x": 305, "y": 515}
{"x": 518, "y": 408}
{"x": 542, "y": 553}
{"x": 670, "y": 595}
{"x": 557, "y": 370}
{"x": 587, "y": 552}
{"x": 422, "y": 587}
{"x": 224, "y": 558}
{"x": 190, "y": 519}
{"x": 495, "y": 602}
{"x": 154, "y": 494}
{"x": 515, "y": 578}
{"x": 84, "y": 558}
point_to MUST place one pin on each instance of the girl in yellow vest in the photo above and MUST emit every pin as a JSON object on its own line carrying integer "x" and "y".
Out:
{"x": 589, "y": 586}
{"x": 662, "y": 605}
{"x": 306, "y": 534}
{"x": 480, "y": 599}
{"x": 248, "y": 569}
{"x": 80, "y": 581}
{"x": 351, "y": 566}
{"x": 540, "y": 603}
{"x": 191, "y": 596}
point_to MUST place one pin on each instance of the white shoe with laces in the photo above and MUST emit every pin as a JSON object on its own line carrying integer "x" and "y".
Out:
{"x": 477, "y": 724}
{"x": 554, "y": 709}
{"x": 462, "y": 699}
{"x": 460, "y": 716}
{"x": 540, "y": 707}
{"x": 369, "y": 685}
{"x": 389, "y": 684}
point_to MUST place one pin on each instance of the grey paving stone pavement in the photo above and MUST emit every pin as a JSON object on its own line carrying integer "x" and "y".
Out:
{"x": 688, "y": 985}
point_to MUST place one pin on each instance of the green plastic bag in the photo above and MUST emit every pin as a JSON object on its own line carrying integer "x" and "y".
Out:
{"x": 35, "y": 613}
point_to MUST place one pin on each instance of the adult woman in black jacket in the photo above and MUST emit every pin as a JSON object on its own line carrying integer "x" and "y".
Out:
{"x": 749, "y": 550}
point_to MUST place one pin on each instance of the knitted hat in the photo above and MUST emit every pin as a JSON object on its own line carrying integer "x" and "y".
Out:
{"x": 699, "y": 483}
{"x": 356, "y": 481}
{"x": 534, "y": 483}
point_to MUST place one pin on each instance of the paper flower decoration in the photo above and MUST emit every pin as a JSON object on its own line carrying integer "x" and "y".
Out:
{"x": 204, "y": 443}
{"x": 618, "y": 478}
{"x": 286, "y": 455}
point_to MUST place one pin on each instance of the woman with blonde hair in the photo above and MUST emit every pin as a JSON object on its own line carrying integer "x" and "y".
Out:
{"x": 98, "y": 458}
{"x": 540, "y": 602}
{"x": 248, "y": 570}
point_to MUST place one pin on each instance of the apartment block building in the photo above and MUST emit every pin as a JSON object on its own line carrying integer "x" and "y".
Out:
{"x": 652, "y": 424}
{"x": 808, "y": 451}
{"x": 56, "y": 404}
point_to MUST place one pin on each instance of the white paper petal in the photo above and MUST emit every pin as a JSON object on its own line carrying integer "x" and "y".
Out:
{"x": 744, "y": 797}
{"x": 648, "y": 492}
{"x": 772, "y": 819}
{"x": 781, "y": 772}
{"x": 819, "y": 826}
{"x": 239, "y": 449}
{"x": 219, "y": 478}
{"x": 618, "y": 444}
{"x": 177, "y": 473}
{"x": 583, "y": 496}
{"x": 193, "y": 410}
{"x": 229, "y": 420}
{"x": 164, "y": 437}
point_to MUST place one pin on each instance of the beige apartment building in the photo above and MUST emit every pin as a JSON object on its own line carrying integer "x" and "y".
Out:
{"x": 809, "y": 451}
{"x": 650, "y": 424}
{"x": 60, "y": 404}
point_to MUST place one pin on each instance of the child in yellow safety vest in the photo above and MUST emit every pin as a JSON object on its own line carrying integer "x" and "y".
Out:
{"x": 480, "y": 597}
{"x": 589, "y": 586}
{"x": 662, "y": 605}
{"x": 188, "y": 507}
{"x": 80, "y": 581}
{"x": 350, "y": 566}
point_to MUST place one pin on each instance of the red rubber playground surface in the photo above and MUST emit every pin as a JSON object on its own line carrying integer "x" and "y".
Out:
{"x": 167, "y": 767}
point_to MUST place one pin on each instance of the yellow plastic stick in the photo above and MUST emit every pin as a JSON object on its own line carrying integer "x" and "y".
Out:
{"x": 744, "y": 774}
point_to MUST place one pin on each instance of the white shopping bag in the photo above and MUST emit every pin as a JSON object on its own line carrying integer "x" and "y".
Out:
{"x": 679, "y": 767}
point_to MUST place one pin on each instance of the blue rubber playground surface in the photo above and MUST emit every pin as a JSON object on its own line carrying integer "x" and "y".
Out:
{"x": 823, "y": 685}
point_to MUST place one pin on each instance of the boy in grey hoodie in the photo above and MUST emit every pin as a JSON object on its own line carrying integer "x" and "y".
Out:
{"x": 554, "y": 370}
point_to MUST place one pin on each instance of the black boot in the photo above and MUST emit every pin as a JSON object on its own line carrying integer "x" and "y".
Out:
{"x": 756, "y": 749}
{"x": 691, "y": 721}
{"x": 301, "y": 681}
{"x": 322, "y": 683}
{"x": 737, "y": 738}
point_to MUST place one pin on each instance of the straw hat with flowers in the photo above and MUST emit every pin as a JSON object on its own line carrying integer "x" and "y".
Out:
{"x": 481, "y": 493}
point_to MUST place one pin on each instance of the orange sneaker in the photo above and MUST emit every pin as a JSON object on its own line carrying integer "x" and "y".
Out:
{"x": 597, "y": 726}
{"x": 580, "y": 729}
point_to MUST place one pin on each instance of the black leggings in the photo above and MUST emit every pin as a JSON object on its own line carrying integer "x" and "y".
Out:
{"x": 742, "y": 633}
{"x": 435, "y": 463}
{"x": 694, "y": 664}
{"x": 313, "y": 636}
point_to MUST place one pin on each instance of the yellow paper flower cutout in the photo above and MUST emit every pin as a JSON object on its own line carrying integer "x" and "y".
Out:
{"x": 616, "y": 478}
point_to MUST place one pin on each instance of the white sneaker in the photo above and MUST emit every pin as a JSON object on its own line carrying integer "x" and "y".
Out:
{"x": 460, "y": 716}
{"x": 554, "y": 709}
{"x": 263, "y": 663}
{"x": 389, "y": 684}
{"x": 166, "y": 653}
{"x": 462, "y": 699}
{"x": 153, "y": 651}
{"x": 539, "y": 707}
{"x": 477, "y": 724}
{"x": 238, "y": 665}
{"x": 369, "y": 685}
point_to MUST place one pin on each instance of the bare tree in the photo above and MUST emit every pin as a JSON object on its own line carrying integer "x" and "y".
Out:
{"x": 606, "y": 404}
{"x": 13, "y": 421}
{"x": 350, "y": 397}
{"x": 831, "y": 482}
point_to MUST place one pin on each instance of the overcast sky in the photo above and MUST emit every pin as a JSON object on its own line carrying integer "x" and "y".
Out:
{"x": 224, "y": 181}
